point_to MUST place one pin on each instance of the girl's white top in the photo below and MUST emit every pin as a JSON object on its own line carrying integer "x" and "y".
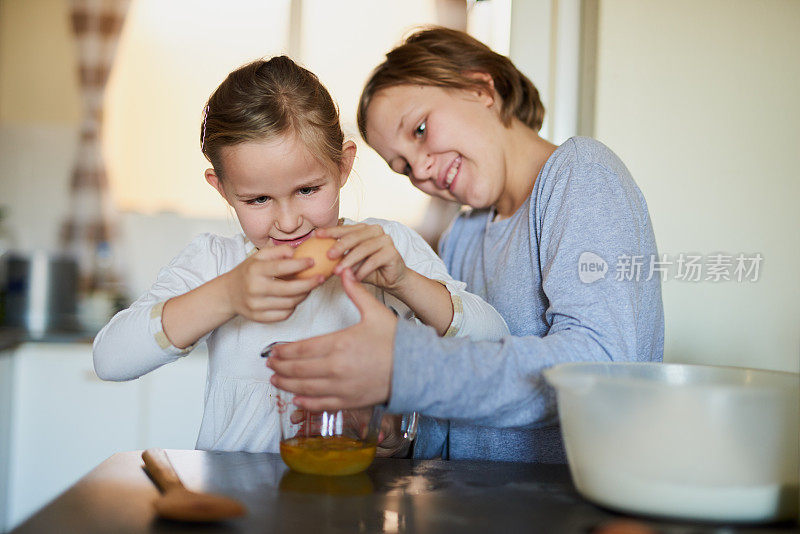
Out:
{"x": 240, "y": 409}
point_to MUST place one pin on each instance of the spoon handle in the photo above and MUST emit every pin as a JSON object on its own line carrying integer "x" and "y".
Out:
{"x": 161, "y": 469}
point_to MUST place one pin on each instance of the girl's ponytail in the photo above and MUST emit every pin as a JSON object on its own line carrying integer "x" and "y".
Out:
{"x": 268, "y": 98}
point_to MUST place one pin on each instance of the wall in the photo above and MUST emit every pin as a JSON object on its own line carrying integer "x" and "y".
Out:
{"x": 343, "y": 62}
{"x": 169, "y": 60}
{"x": 700, "y": 101}
{"x": 38, "y": 82}
{"x": 545, "y": 46}
{"x": 172, "y": 57}
{"x": 39, "y": 114}
{"x": 698, "y": 98}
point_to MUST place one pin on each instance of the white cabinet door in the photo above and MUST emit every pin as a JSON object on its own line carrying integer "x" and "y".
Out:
{"x": 64, "y": 422}
{"x": 172, "y": 402}
{"x": 6, "y": 392}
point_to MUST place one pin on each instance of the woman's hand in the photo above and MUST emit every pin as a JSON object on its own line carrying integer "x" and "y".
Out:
{"x": 350, "y": 368}
{"x": 257, "y": 290}
{"x": 369, "y": 252}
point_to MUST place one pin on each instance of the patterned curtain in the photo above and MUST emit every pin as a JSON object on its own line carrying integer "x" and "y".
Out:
{"x": 87, "y": 233}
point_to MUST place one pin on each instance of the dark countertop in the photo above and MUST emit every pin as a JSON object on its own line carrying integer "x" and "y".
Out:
{"x": 11, "y": 338}
{"x": 392, "y": 496}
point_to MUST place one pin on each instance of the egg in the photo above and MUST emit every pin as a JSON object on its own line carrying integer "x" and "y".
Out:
{"x": 316, "y": 248}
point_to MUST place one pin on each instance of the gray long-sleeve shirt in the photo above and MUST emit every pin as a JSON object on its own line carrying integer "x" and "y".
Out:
{"x": 543, "y": 270}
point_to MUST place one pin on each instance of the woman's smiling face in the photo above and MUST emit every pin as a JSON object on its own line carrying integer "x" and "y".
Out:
{"x": 280, "y": 192}
{"x": 444, "y": 140}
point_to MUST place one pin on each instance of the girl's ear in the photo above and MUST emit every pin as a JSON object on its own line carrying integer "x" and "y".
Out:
{"x": 348, "y": 157}
{"x": 216, "y": 183}
{"x": 487, "y": 97}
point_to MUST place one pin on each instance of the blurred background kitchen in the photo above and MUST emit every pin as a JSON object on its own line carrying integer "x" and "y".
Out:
{"x": 101, "y": 177}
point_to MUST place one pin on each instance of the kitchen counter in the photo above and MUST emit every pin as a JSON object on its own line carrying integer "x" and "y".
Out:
{"x": 394, "y": 495}
{"x": 11, "y": 338}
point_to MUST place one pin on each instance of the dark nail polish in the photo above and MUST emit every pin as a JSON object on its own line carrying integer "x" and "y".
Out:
{"x": 267, "y": 352}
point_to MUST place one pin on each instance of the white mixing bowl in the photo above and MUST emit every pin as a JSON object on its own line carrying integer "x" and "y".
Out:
{"x": 686, "y": 441}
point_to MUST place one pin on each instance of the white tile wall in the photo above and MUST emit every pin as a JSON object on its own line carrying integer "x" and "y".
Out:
{"x": 35, "y": 167}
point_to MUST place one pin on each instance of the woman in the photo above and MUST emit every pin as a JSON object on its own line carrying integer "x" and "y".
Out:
{"x": 558, "y": 240}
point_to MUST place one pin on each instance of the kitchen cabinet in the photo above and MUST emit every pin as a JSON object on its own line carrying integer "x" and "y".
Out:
{"x": 5, "y": 431}
{"x": 62, "y": 420}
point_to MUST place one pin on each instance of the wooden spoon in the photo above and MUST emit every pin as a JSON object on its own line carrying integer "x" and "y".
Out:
{"x": 180, "y": 504}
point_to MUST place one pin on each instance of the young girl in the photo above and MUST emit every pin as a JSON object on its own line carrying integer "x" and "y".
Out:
{"x": 271, "y": 132}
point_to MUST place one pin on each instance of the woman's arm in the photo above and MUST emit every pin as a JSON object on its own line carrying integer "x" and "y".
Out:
{"x": 384, "y": 359}
{"x": 589, "y": 208}
{"x": 612, "y": 318}
{"x": 500, "y": 383}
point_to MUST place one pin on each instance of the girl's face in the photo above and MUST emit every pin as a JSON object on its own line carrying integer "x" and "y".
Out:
{"x": 445, "y": 140}
{"x": 279, "y": 190}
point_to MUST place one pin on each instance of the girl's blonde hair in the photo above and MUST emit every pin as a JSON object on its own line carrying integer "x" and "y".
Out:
{"x": 446, "y": 58}
{"x": 269, "y": 98}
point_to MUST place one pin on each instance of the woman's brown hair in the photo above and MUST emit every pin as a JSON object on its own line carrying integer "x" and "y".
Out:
{"x": 446, "y": 58}
{"x": 268, "y": 98}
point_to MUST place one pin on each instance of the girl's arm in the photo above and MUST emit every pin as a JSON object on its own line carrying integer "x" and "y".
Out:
{"x": 390, "y": 255}
{"x": 188, "y": 317}
{"x": 190, "y": 299}
{"x": 254, "y": 289}
{"x": 472, "y": 316}
{"x": 133, "y": 342}
{"x": 372, "y": 255}
{"x": 428, "y": 299}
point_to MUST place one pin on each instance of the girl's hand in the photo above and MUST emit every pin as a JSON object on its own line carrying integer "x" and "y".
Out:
{"x": 369, "y": 252}
{"x": 257, "y": 290}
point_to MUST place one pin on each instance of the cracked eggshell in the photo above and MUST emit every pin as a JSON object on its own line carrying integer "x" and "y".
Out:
{"x": 316, "y": 248}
